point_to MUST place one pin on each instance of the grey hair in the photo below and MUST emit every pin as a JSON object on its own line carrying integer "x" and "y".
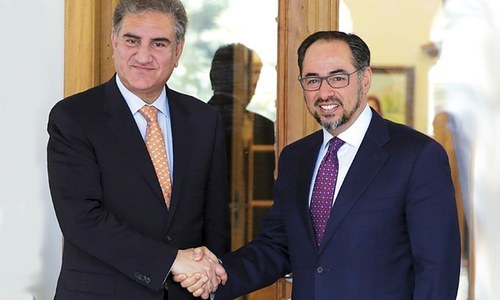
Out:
{"x": 174, "y": 8}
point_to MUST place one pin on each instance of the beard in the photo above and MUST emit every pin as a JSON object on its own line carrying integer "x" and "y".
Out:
{"x": 329, "y": 123}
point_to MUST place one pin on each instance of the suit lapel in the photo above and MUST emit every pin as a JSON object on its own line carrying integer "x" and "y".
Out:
{"x": 124, "y": 128}
{"x": 367, "y": 163}
{"x": 182, "y": 134}
{"x": 306, "y": 169}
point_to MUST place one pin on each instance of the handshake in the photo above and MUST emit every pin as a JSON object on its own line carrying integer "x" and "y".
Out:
{"x": 199, "y": 271}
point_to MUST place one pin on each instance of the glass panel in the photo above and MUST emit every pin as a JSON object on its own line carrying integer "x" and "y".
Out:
{"x": 215, "y": 23}
{"x": 229, "y": 61}
{"x": 263, "y": 176}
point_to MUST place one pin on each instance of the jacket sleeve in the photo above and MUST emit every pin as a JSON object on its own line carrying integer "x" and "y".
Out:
{"x": 432, "y": 226}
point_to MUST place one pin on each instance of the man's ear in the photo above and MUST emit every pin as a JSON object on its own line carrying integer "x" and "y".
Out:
{"x": 178, "y": 51}
{"x": 367, "y": 80}
{"x": 113, "y": 40}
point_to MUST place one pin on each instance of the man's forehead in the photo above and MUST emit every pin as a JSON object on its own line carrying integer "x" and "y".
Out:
{"x": 327, "y": 54}
{"x": 334, "y": 47}
{"x": 151, "y": 25}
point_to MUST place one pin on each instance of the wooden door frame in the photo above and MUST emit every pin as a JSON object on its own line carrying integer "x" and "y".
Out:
{"x": 87, "y": 44}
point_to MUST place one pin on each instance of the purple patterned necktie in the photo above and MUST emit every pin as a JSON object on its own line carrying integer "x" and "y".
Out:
{"x": 324, "y": 188}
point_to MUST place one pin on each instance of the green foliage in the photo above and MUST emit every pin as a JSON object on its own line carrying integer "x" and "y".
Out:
{"x": 203, "y": 37}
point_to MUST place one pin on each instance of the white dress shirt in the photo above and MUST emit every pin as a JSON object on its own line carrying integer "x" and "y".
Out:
{"x": 352, "y": 137}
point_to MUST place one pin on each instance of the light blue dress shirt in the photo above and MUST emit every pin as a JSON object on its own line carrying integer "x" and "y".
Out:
{"x": 161, "y": 103}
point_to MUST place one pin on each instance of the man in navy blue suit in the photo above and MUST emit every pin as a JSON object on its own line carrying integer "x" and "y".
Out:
{"x": 392, "y": 230}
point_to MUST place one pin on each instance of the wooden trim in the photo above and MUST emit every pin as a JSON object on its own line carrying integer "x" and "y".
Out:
{"x": 106, "y": 63}
{"x": 262, "y": 148}
{"x": 88, "y": 51}
{"x": 81, "y": 63}
{"x": 261, "y": 203}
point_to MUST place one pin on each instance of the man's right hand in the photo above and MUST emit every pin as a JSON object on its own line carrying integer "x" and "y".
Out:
{"x": 199, "y": 283}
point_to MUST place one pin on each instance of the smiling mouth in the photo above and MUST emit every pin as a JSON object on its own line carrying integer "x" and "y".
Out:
{"x": 328, "y": 107}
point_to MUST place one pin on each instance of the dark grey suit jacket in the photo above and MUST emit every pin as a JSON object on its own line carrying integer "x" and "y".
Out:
{"x": 119, "y": 239}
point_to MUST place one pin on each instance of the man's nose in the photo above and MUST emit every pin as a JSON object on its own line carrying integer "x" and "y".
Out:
{"x": 325, "y": 90}
{"x": 143, "y": 54}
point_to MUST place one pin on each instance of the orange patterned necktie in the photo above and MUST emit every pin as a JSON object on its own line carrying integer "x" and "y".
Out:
{"x": 157, "y": 151}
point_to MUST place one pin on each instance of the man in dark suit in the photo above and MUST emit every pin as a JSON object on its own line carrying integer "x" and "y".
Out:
{"x": 391, "y": 230}
{"x": 122, "y": 226}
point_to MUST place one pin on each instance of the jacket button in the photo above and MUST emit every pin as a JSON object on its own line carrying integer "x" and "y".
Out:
{"x": 319, "y": 270}
{"x": 169, "y": 238}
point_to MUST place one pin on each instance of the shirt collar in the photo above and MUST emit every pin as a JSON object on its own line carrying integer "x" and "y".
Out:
{"x": 355, "y": 133}
{"x": 135, "y": 103}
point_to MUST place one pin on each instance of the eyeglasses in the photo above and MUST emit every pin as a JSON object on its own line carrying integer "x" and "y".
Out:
{"x": 336, "y": 81}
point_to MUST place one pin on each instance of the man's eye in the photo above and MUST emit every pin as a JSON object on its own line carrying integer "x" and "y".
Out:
{"x": 132, "y": 42}
{"x": 312, "y": 80}
{"x": 338, "y": 78}
{"x": 159, "y": 45}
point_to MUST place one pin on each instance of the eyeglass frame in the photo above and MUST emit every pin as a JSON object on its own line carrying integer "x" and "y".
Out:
{"x": 322, "y": 78}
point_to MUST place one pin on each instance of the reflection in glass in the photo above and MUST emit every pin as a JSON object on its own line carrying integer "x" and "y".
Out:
{"x": 249, "y": 136}
{"x": 229, "y": 60}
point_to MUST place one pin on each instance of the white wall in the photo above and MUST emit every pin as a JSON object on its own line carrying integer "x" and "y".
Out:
{"x": 400, "y": 44}
{"x": 31, "y": 81}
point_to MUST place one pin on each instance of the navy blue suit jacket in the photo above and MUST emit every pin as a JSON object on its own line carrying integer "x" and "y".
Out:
{"x": 119, "y": 239}
{"x": 392, "y": 233}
